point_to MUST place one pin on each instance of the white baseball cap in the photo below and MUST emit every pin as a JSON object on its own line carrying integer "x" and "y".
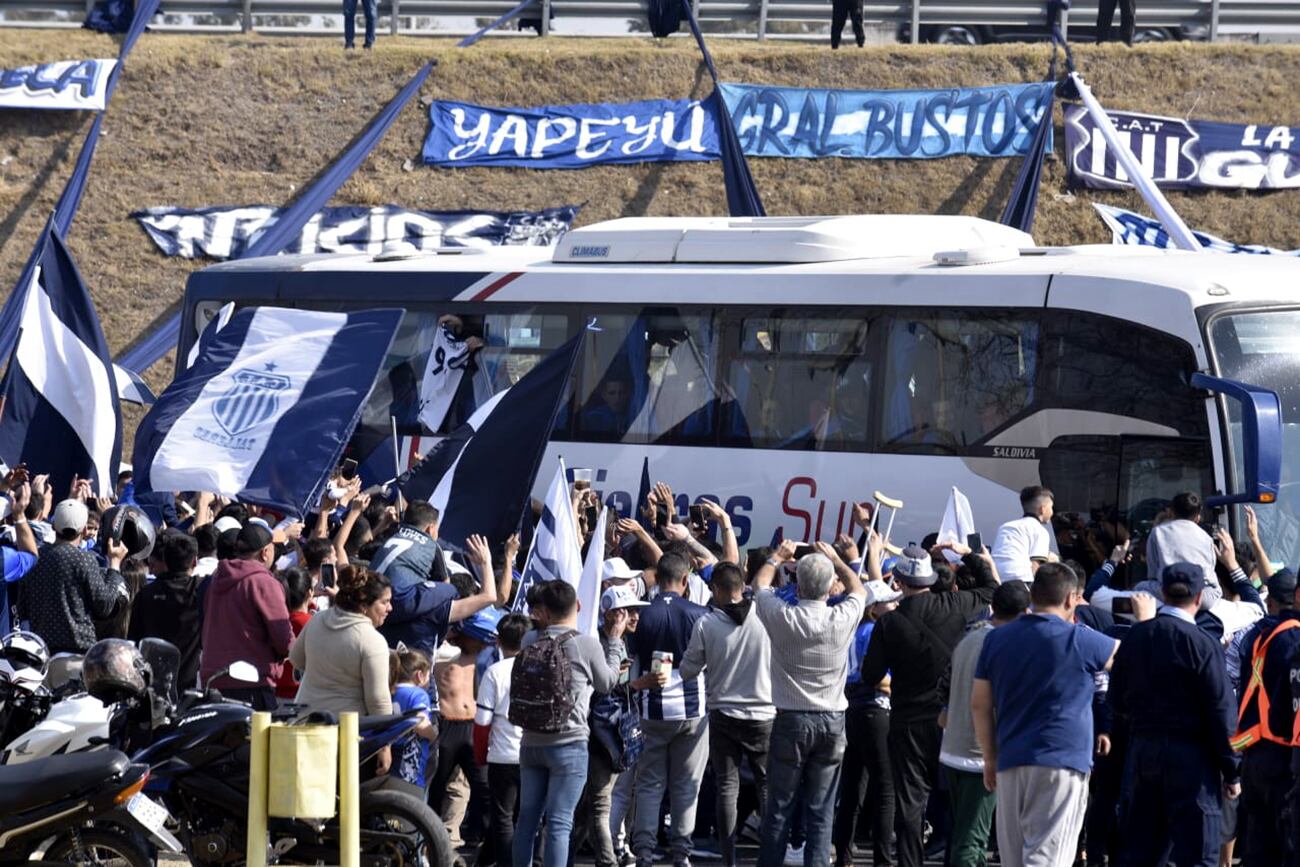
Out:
{"x": 618, "y": 597}
{"x": 226, "y": 523}
{"x": 879, "y": 591}
{"x": 70, "y": 515}
{"x": 616, "y": 569}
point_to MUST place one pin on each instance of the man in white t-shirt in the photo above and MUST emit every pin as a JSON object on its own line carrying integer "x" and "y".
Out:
{"x": 496, "y": 739}
{"x": 1026, "y": 538}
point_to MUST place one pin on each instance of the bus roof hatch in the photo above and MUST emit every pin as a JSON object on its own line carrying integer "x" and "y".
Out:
{"x": 780, "y": 239}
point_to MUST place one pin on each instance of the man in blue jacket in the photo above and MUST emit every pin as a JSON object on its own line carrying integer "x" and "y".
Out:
{"x": 1170, "y": 682}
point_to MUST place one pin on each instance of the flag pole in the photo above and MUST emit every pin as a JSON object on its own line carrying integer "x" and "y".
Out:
{"x": 397, "y": 463}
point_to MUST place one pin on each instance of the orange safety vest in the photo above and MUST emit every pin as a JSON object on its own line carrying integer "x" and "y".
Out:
{"x": 1256, "y": 698}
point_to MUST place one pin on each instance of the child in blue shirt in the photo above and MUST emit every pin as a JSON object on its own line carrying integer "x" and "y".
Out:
{"x": 413, "y": 668}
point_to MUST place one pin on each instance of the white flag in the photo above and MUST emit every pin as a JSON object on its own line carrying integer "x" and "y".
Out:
{"x": 589, "y": 585}
{"x": 556, "y": 554}
{"x": 957, "y": 524}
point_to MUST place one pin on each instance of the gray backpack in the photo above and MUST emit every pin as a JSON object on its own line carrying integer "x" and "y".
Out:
{"x": 541, "y": 681}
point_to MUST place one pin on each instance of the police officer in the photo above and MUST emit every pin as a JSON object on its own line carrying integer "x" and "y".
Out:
{"x": 1170, "y": 682}
{"x": 1265, "y": 725}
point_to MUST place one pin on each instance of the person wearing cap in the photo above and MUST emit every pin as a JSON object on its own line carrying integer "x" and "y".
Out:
{"x": 1266, "y": 722}
{"x": 810, "y": 661}
{"x": 732, "y": 649}
{"x": 245, "y": 618}
{"x": 1031, "y": 703}
{"x": 591, "y": 820}
{"x": 1019, "y": 543}
{"x": 67, "y": 590}
{"x": 914, "y": 646}
{"x": 959, "y": 753}
{"x": 1170, "y": 685}
{"x": 866, "y": 775}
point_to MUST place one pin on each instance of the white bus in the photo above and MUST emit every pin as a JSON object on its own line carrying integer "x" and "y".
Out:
{"x": 787, "y": 367}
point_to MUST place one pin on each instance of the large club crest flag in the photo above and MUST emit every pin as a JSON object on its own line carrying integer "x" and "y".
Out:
{"x": 264, "y": 412}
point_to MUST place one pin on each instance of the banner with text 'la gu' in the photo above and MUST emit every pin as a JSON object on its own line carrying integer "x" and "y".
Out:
{"x": 997, "y": 121}
{"x": 68, "y": 84}
{"x": 570, "y": 136}
{"x": 225, "y": 232}
{"x": 1184, "y": 154}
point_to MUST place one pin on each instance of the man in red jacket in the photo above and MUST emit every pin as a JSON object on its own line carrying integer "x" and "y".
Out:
{"x": 245, "y": 618}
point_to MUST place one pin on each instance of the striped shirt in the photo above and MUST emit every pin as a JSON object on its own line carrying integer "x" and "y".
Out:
{"x": 666, "y": 625}
{"x": 810, "y": 649}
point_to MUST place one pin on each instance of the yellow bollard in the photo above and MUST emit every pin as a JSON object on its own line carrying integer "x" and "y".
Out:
{"x": 349, "y": 790}
{"x": 255, "y": 845}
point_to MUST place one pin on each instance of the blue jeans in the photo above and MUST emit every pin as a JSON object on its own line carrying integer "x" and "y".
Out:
{"x": 551, "y": 780}
{"x": 806, "y": 751}
{"x": 370, "y": 8}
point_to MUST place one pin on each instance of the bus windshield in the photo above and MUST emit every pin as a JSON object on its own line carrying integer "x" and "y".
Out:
{"x": 1259, "y": 347}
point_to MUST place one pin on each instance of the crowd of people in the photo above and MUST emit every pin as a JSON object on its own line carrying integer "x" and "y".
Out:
{"x": 836, "y": 703}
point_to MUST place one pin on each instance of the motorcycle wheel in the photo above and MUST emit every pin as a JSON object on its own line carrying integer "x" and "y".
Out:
{"x": 98, "y": 848}
{"x": 428, "y": 844}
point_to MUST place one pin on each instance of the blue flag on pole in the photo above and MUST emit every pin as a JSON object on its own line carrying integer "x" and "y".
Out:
{"x": 264, "y": 413}
{"x": 480, "y": 477}
{"x": 61, "y": 412}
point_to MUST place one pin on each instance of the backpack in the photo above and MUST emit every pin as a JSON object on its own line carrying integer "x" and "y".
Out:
{"x": 541, "y": 696}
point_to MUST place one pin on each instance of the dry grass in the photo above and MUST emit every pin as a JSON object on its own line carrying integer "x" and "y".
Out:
{"x": 237, "y": 120}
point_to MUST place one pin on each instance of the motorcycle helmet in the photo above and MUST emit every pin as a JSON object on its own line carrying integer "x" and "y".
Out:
{"x": 114, "y": 670}
{"x": 132, "y": 527}
{"x": 24, "y": 659}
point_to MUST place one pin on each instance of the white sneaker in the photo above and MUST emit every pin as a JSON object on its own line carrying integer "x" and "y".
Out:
{"x": 793, "y": 856}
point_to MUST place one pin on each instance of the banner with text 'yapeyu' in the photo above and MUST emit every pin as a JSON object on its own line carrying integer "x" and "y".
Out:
{"x": 809, "y": 123}
{"x": 1184, "y": 154}
{"x": 570, "y": 136}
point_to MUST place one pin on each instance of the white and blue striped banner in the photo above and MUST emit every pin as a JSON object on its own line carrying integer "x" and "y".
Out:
{"x": 1134, "y": 229}
{"x": 555, "y": 555}
{"x": 265, "y": 411}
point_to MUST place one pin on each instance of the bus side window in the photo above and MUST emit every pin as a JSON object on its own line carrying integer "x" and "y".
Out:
{"x": 951, "y": 380}
{"x": 799, "y": 383}
{"x": 649, "y": 377}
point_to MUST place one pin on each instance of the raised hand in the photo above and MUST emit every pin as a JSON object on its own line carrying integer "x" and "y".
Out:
{"x": 478, "y": 548}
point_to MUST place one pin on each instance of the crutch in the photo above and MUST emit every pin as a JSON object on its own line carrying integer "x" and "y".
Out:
{"x": 894, "y": 506}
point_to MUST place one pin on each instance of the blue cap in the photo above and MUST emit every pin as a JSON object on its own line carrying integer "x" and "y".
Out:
{"x": 482, "y": 625}
{"x": 1183, "y": 573}
{"x": 887, "y": 565}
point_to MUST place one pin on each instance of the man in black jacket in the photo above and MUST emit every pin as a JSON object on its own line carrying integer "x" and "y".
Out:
{"x": 1170, "y": 682}
{"x": 167, "y": 607}
{"x": 914, "y": 646}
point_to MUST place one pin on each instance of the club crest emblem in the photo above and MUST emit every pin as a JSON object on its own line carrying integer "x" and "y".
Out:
{"x": 252, "y": 399}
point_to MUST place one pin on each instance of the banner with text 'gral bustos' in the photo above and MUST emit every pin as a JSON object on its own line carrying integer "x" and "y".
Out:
{"x": 801, "y": 122}
{"x": 570, "y": 136}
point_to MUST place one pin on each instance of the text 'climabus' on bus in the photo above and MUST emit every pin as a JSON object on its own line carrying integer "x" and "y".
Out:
{"x": 786, "y": 367}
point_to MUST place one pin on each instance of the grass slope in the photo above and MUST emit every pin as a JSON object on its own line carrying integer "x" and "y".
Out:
{"x": 207, "y": 120}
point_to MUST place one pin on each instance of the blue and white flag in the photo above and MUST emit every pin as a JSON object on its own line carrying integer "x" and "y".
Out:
{"x": 589, "y": 585}
{"x": 131, "y": 387}
{"x": 555, "y": 554}
{"x": 480, "y": 476}
{"x": 1130, "y": 228}
{"x": 61, "y": 410}
{"x": 265, "y": 411}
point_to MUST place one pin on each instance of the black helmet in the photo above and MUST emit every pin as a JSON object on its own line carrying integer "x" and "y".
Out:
{"x": 130, "y": 526}
{"x": 115, "y": 671}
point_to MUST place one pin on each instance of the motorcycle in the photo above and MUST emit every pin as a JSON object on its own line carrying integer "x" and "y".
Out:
{"x": 79, "y": 809}
{"x": 197, "y": 748}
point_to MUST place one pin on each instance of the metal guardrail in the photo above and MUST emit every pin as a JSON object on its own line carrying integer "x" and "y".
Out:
{"x": 1211, "y": 19}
